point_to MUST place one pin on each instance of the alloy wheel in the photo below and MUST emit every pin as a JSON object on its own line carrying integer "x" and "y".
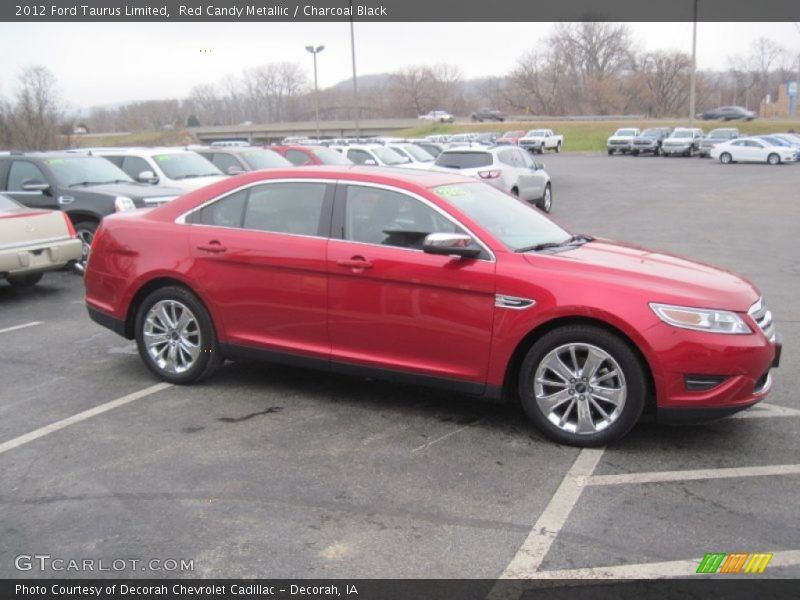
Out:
{"x": 172, "y": 336}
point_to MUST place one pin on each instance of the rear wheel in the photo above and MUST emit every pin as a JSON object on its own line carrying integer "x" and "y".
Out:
{"x": 176, "y": 337}
{"x": 634, "y": 153}
{"x": 610, "y": 152}
{"x": 725, "y": 158}
{"x": 582, "y": 385}
{"x": 23, "y": 281}
{"x": 774, "y": 159}
{"x": 558, "y": 147}
{"x": 85, "y": 231}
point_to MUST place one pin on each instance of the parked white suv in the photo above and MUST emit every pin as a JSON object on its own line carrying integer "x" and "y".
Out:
{"x": 622, "y": 140}
{"x": 508, "y": 168}
{"x": 175, "y": 167}
{"x": 419, "y": 157}
{"x": 374, "y": 155}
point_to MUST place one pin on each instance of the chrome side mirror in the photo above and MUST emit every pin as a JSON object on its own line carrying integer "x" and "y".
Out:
{"x": 450, "y": 244}
{"x": 35, "y": 185}
{"x": 147, "y": 177}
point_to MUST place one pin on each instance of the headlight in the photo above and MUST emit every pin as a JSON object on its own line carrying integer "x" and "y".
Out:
{"x": 123, "y": 203}
{"x": 700, "y": 319}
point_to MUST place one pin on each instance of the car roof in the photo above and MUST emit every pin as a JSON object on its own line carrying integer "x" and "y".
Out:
{"x": 146, "y": 151}
{"x": 80, "y": 152}
{"x": 475, "y": 149}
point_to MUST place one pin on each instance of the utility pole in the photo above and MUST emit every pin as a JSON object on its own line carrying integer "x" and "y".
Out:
{"x": 316, "y": 51}
{"x": 692, "y": 83}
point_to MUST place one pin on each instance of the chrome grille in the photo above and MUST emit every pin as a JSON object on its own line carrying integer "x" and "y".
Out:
{"x": 763, "y": 318}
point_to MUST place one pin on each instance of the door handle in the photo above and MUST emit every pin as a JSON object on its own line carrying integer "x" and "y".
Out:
{"x": 214, "y": 247}
{"x": 356, "y": 262}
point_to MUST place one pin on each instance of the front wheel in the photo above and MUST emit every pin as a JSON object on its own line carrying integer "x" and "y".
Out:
{"x": 582, "y": 385}
{"x": 558, "y": 148}
{"x": 546, "y": 203}
{"x": 774, "y": 159}
{"x": 85, "y": 231}
{"x": 175, "y": 336}
{"x": 725, "y": 158}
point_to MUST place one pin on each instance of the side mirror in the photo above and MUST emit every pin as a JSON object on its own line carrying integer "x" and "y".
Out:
{"x": 233, "y": 170}
{"x": 147, "y": 177}
{"x": 450, "y": 244}
{"x": 35, "y": 185}
{"x": 371, "y": 162}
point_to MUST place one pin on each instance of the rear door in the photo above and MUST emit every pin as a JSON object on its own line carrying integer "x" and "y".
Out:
{"x": 392, "y": 306}
{"x": 260, "y": 255}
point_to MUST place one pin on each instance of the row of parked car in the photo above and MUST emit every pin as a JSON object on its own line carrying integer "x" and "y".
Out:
{"x": 725, "y": 144}
{"x": 86, "y": 185}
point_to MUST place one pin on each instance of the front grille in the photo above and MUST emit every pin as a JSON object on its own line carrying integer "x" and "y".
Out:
{"x": 643, "y": 143}
{"x": 619, "y": 143}
{"x": 763, "y": 319}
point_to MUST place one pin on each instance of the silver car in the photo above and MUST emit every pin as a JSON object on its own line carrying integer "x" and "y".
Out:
{"x": 508, "y": 168}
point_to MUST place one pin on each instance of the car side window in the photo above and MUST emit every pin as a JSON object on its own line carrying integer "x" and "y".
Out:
{"x": 224, "y": 161}
{"x": 294, "y": 208}
{"x": 133, "y": 166}
{"x": 22, "y": 171}
{"x": 225, "y": 212}
{"x": 525, "y": 158}
{"x": 298, "y": 158}
{"x": 358, "y": 156}
{"x": 378, "y": 216}
{"x": 507, "y": 158}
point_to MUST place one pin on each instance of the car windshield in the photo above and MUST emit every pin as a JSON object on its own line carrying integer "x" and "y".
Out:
{"x": 185, "y": 165}
{"x": 513, "y": 223}
{"x": 264, "y": 159}
{"x": 464, "y": 160}
{"x": 7, "y": 203}
{"x": 651, "y": 133}
{"x": 681, "y": 134}
{"x": 626, "y": 132}
{"x": 330, "y": 157}
{"x": 86, "y": 170}
{"x": 418, "y": 153}
{"x": 389, "y": 156}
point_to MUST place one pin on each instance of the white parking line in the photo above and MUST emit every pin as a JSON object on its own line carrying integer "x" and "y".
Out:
{"x": 672, "y": 568}
{"x": 763, "y": 410}
{"x": 443, "y": 437}
{"x": 87, "y": 414}
{"x": 23, "y": 326}
{"x": 690, "y": 475}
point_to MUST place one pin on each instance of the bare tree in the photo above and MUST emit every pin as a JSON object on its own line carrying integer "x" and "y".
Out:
{"x": 665, "y": 76}
{"x": 765, "y": 56}
{"x": 35, "y": 116}
{"x": 536, "y": 83}
{"x": 412, "y": 87}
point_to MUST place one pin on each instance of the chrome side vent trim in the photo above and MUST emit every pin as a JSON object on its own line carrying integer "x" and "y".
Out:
{"x": 512, "y": 302}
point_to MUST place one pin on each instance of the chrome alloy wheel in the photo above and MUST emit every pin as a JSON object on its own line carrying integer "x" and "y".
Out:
{"x": 580, "y": 388}
{"x": 172, "y": 336}
{"x": 547, "y": 201}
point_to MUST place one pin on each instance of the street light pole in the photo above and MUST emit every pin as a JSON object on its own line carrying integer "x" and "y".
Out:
{"x": 692, "y": 83}
{"x": 355, "y": 83}
{"x": 316, "y": 51}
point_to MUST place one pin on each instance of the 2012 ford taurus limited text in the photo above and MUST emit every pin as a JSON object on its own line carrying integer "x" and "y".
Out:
{"x": 431, "y": 278}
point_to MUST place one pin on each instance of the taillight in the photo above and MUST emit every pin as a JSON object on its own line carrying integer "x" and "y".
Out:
{"x": 494, "y": 174}
{"x": 70, "y": 228}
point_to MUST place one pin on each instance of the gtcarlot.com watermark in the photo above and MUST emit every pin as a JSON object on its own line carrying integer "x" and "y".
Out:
{"x": 46, "y": 562}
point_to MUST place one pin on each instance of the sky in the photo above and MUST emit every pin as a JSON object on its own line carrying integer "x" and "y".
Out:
{"x": 108, "y": 63}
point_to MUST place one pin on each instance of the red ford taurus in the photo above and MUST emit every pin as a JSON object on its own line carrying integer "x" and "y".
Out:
{"x": 436, "y": 279}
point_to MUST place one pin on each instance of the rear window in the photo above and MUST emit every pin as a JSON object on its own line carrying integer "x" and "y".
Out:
{"x": 464, "y": 160}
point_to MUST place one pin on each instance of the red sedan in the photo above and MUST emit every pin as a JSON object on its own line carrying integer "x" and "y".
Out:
{"x": 301, "y": 156}
{"x": 431, "y": 278}
{"x": 510, "y": 137}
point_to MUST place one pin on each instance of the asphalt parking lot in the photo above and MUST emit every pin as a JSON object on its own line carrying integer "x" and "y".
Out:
{"x": 268, "y": 471}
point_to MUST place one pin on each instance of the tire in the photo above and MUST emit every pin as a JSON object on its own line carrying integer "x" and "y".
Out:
{"x": 546, "y": 203}
{"x": 199, "y": 355}
{"x": 690, "y": 152}
{"x": 85, "y": 231}
{"x": 658, "y": 151}
{"x": 610, "y": 152}
{"x": 774, "y": 159}
{"x": 515, "y": 192}
{"x": 725, "y": 158}
{"x": 540, "y": 150}
{"x": 558, "y": 148}
{"x": 622, "y": 399}
{"x": 634, "y": 153}
{"x": 25, "y": 281}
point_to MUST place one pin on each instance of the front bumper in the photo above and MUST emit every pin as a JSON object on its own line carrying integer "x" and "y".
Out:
{"x": 626, "y": 146}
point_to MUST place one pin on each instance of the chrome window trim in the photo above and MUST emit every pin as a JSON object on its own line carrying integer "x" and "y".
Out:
{"x": 425, "y": 201}
{"x": 513, "y": 302}
{"x": 181, "y": 219}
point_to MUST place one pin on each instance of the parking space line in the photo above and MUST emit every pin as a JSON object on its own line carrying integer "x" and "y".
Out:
{"x": 87, "y": 414}
{"x": 534, "y": 549}
{"x": 764, "y": 410}
{"x": 689, "y": 475}
{"x": 23, "y": 326}
{"x": 654, "y": 570}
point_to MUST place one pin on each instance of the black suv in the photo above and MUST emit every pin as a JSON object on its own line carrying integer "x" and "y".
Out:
{"x": 487, "y": 114}
{"x": 233, "y": 160}
{"x": 85, "y": 187}
{"x": 649, "y": 141}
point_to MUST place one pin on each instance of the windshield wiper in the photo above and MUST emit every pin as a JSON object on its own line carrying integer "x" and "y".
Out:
{"x": 575, "y": 240}
{"x": 87, "y": 183}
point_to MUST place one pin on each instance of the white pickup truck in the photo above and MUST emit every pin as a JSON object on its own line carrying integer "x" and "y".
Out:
{"x": 539, "y": 140}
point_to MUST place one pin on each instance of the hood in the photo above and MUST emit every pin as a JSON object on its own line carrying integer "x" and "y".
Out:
{"x": 132, "y": 190}
{"x": 662, "y": 277}
{"x": 620, "y": 138}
